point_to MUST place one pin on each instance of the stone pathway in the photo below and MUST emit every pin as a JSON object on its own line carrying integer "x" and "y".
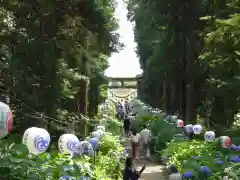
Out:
{"x": 153, "y": 171}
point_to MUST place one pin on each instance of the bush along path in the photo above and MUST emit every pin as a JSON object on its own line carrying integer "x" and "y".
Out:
{"x": 153, "y": 171}
{"x": 198, "y": 153}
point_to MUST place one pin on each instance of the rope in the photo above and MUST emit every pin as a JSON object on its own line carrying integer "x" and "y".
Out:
{"x": 122, "y": 96}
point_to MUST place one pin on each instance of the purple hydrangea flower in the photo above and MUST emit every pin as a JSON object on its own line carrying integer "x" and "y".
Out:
{"x": 188, "y": 174}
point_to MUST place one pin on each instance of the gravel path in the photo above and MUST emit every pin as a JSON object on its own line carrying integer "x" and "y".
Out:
{"x": 153, "y": 171}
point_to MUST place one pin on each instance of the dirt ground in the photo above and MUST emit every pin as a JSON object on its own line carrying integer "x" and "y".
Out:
{"x": 153, "y": 170}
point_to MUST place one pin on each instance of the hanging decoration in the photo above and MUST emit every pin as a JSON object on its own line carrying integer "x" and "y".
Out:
{"x": 67, "y": 143}
{"x": 209, "y": 136}
{"x": 123, "y": 97}
{"x": 188, "y": 130}
{"x": 174, "y": 118}
{"x": 96, "y": 134}
{"x": 197, "y": 129}
{"x": 36, "y": 139}
{"x": 224, "y": 141}
{"x": 84, "y": 148}
{"x": 6, "y": 119}
{"x": 180, "y": 123}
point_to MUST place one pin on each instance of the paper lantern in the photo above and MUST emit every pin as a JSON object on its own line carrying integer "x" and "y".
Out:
{"x": 209, "y": 136}
{"x": 188, "y": 130}
{"x": 101, "y": 127}
{"x": 167, "y": 118}
{"x": 67, "y": 143}
{"x": 6, "y": 120}
{"x": 224, "y": 141}
{"x": 180, "y": 123}
{"x": 197, "y": 129}
{"x": 84, "y": 148}
{"x": 174, "y": 118}
{"x": 95, "y": 143}
{"x": 36, "y": 139}
{"x": 96, "y": 134}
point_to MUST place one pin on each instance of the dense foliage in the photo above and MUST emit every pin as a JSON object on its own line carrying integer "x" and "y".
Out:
{"x": 52, "y": 57}
{"x": 106, "y": 163}
{"x": 16, "y": 163}
{"x": 189, "y": 53}
{"x": 195, "y": 159}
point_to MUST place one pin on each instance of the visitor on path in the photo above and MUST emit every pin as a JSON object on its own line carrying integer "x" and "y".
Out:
{"x": 135, "y": 144}
{"x": 146, "y": 137}
{"x": 175, "y": 175}
{"x": 130, "y": 173}
{"x": 126, "y": 125}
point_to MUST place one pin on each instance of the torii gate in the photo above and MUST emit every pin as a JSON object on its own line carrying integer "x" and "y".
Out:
{"x": 123, "y": 87}
{"x": 123, "y": 82}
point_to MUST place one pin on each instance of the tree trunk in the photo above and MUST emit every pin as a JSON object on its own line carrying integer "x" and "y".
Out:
{"x": 190, "y": 104}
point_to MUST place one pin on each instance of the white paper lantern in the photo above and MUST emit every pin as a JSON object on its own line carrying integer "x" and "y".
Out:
{"x": 197, "y": 129}
{"x": 101, "y": 127}
{"x": 84, "y": 148}
{"x": 36, "y": 139}
{"x": 174, "y": 118}
{"x": 6, "y": 119}
{"x": 180, "y": 123}
{"x": 67, "y": 143}
{"x": 96, "y": 134}
{"x": 209, "y": 136}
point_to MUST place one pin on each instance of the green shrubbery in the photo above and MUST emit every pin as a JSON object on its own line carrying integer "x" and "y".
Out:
{"x": 190, "y": 156}
{"x": 196, "y": 159}
{"x": 16, "y": 163}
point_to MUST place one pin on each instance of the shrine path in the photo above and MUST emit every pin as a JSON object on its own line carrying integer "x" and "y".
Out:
{"x": 153, "y": 171}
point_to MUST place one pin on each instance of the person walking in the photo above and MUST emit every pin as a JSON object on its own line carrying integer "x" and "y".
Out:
{"x": 146, "y": 137}
{"x": 126, "y": 125}
{"x": 130, "y": 173}
{"x": 135, "y": 144}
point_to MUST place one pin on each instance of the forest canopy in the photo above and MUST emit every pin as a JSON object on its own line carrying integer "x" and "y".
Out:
{"x": 53, "y": 55}
{"x": 189, "y": 53}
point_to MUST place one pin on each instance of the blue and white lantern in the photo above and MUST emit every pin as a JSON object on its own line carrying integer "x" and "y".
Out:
{"x": 84, "y": 148}
{"x": 36, "y": 139}
{"x": 67, "y": 143}
{"x": 197, "y": 129}
{"x": 188, "y": 130}
{"x": 209, "y": 136}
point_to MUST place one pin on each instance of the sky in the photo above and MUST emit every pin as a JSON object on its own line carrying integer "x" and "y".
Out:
{"x": 125, "y": 63}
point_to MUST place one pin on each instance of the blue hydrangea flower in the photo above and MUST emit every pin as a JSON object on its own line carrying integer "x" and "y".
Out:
{"x": 196, "y": 157}
{"x": 95, "y": 143}
{"x": 205, "y": 170}
{"x": 235, "y": 159}
{"x": 219, "y": 162}
{"x": 188, "y": 175}
{"x": 66, "y": 178}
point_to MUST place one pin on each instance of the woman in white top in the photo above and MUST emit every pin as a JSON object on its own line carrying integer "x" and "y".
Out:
{"x": 146, "y": 136}
{"x": 135, "y": 144}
